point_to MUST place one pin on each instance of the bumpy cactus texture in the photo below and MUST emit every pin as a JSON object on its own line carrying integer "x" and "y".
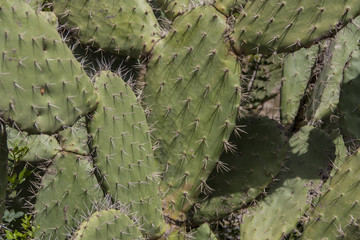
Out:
{"x": 158, "y": 119}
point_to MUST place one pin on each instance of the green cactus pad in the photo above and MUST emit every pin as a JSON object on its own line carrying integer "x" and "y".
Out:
{"x": 262, "y": 147}
{"x": 336, "y": 215}
{"x": 192, "y": 95}
{"x": 120, "y": 139}
{"x": 108, "y": 224}
{"x": 348, "y": 102}
{"x": 125, "y": 27}
{"x": 42, "y": 86}
{"x": 287, "y": 200}
{"x": 284, "y": 26}
{"x": 3, "y": 169}
{"x": 40, "y": 147}
{"x": 68, "y": 190}
{"x": 204, "y": 233}
{"x": 75, "y": 139}
{"x": 296, "y": 74}
{"x": 325, "y": 95}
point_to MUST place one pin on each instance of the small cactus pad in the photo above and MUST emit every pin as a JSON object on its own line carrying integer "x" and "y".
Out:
{"x": 75, "y": 139}
{"x": 348, "y": 102}
{"x": 120, "y": 138}
{"x": 261, "y": 149}
{"x": 192, "y": 95}
{"x": 40, "y": 147}
{"x": 3, "y": 169}
{"x": 287, "y": 200}
{"x": 284, "y": 26}
{"x": 127, "y": 27}
{"x": 67, "y": 191}
{"x": 203, "y": 233}
{"x": 108, "y": 224}
{"x": 42, "y": 86}
{"x": 296, "y": 74}
{"x": 336, "y": 215}
{"x": 325, "y": 95}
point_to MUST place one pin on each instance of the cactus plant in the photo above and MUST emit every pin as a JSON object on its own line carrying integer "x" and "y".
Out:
{"x": 155, "y": 144}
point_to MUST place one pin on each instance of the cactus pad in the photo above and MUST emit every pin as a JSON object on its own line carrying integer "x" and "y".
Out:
{"x": 120, "y": 138}
{"x": 42, "y": 86}
{"x": 108, "y": 224}
{"x": 284, "y": 26}
{"x": 192, "y": 95}
{"x": 125, "y": 27}
{"x": 68, "y": 189}
{"x": 325, "y": 96}
{"x": 296, "y": 74}
{"x": 41, "y": 147}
